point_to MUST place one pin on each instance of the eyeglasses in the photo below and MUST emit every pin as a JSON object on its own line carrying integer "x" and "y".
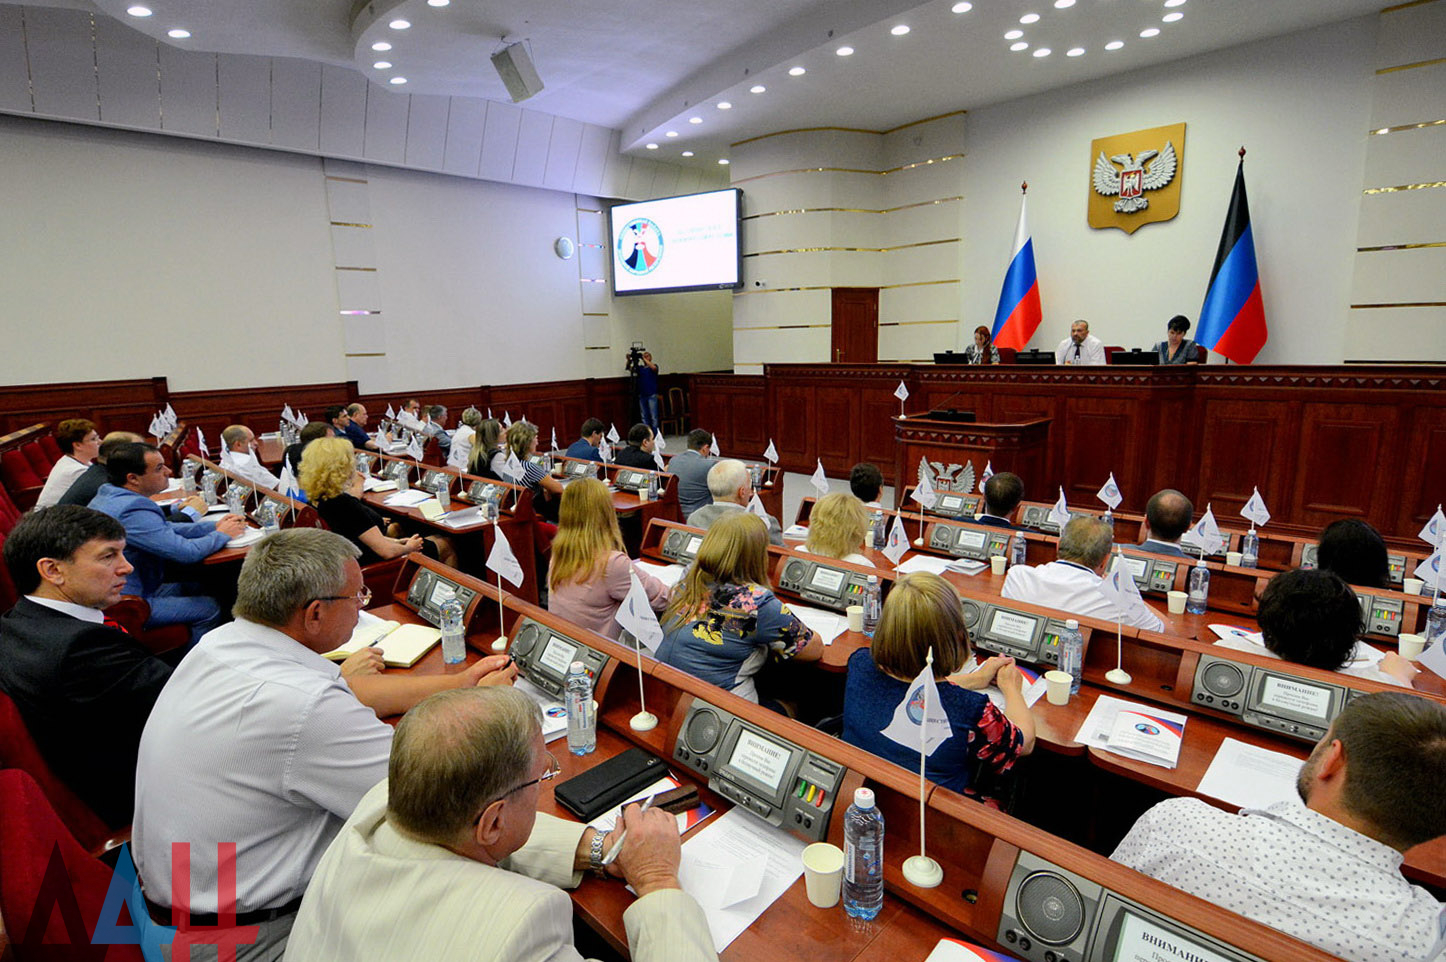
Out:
{"x": 362, "y": 598}
{"x": 554, "y": 769}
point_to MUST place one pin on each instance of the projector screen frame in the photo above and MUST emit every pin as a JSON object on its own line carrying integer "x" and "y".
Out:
{"x": 613, "y": 224}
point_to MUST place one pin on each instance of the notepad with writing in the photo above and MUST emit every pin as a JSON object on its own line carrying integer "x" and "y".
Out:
{"x": 401, "y": 645}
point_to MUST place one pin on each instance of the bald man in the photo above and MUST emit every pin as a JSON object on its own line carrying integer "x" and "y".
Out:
{"x": 1081, "y": 347}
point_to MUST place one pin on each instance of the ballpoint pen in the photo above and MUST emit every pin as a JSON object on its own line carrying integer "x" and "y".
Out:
{"x": 623, "y": 837}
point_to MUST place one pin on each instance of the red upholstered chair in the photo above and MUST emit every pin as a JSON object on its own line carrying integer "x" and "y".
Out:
{"x": 18, "y": 750}
{"x": 1201, "y": 353}
{"x": 132, "y": 612}
{"x": 51, "y": 447}
{"x": 30, "y": 835}
{"x": 1110, "y": 350}
{"x": 1006, "y": 355}
{"x": 20, "y": 478}
{"x": 35, "y": 454}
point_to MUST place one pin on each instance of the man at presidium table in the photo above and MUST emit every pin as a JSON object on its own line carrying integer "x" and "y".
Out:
{"x": 1081, "y": 347}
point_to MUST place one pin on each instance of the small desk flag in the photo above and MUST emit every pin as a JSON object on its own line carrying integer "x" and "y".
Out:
{"x": 501, "y": 559}
{"x": 660, "y": 443}
{"x": 988, "y": 473}
{"x": 201, "y": 443}
{"x": 1429, "y": 570}
{"x": 1205, "y": 534}
{"x": 637, "y": 616}
{"x": 658, "y": 459}
{"x": 613, "y": 435}
{"x": 819, "y": 480}
{"x": 288, "y": 484}
{"x": 554, "y": 439}
{"x": 920, "y": 720}
{"x": 1119, "y": 588}
{"x": 392, "y": 415}
{"x": 755, "y": 504}
{"x": 414, "y": 448}
{"x": 1255, "y": 510}
{"x": 902, "y": 392}
{"x": 771, "y": 454}
{"x": 1435, "y": 528}
{"x": 1110, "y": 493}
{"x": 924, "y": 491}
{"x": 506, "y": 419}
{"x": 713, "y": 446}
{"x": 898, "y": 544}
{"x": 1059, "y": 514}
{"x": 514, "y": 468}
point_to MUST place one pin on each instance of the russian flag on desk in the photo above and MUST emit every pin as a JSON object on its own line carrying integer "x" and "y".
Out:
{"x": 1018, "y": 313}
{"x": 1232, "y": 322}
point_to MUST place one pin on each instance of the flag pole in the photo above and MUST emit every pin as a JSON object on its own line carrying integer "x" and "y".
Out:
{"x": 644, "y": 720}
{"x": 1117, "y": 675}
{"x": 921, "y": 870}
{"x": 501, "y": 643}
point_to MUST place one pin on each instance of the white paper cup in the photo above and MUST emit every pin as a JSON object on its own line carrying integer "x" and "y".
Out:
{"x": 823, "y": 873}
{"x": 1175, "y": 601}
{"x": 1413, "y": 586}
{"x": 642, "y": 494}
{"x": 856, "y": 617}
{"x": 997, "y": 563}
{"x": 1057, "y": 684}
{"x": 1410, "y": 646}
{"x": 1233, "y": 558}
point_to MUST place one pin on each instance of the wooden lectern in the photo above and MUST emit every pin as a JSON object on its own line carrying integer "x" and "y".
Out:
{"x": 1017, "y": 447}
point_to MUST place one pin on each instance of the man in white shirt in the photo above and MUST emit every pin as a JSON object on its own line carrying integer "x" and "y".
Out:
{"x": 1326, "y": 869}
{"x": 1081, "y": 347}
{"x": 238, "y": 455}
{"x": 448, "y": 860}
{"x": 1072, "y": 583}
{"x": 732, "y": 488}
{"x": 257, "y": 750}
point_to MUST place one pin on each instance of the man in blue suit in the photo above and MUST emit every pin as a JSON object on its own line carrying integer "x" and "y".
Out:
{"x": 1002, "y": 494}
{"x": 136, "y": 472}
{"x": 1167, "y": 517}
{"x": 586, "y": 447}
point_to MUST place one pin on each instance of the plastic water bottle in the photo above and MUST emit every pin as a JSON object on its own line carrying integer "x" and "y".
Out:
{"x": 652, "y": 487}
{"x": 873, "y": 606}
{"x": 1109, "y": 517}
{"x": 235, "y": 501}
{"x": 208, "y": 488}
{"x": 454, "y": 641}
{"x": 270, "y": 519}
{"x": 880, "y": 531}
{"x": 1436, "y": 624}
{"x": 863, "y": 881}
{"x": 493, "y": 508}
{"x": 581, "y": 721}
{"x": 403, "y": 481}
{"x": 1198, "y": 589}
{"x": 1071, "y": 654}
{"x": 1017, "y": 550}
{"x": 1250, "y": 549}
{"x": 547, "y": 462}
{"x": 443, "y": 491}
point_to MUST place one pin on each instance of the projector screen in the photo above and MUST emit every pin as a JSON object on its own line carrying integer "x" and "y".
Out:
{"x": 687, "y": 243}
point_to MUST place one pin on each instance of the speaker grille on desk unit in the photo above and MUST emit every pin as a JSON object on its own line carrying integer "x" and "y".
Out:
{"x": 972, "y": 612}
{"x": 702, "y": 732}
{"x": 1050, "y": 908}
{"x": 1223, "y": 680}
{"x": 793, "y": 572}
{"x": 526, "y": 639}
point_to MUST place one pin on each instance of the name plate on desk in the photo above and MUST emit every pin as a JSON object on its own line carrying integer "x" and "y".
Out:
{"x": 952, "y": 504}
{"x": 628, "y": 479}
{"x": 681, "y": 546}
{"x": 425, "y": 592}
{"x": 1267, "y": 698}
{"x": 1151, "y": 574}
{"x": 543, "y": 655}
{"x": 784, "y": 784}
{"x": 823, "y": 584}
{"x": 1020, "y": 634}
{"x": 972, "y": 543}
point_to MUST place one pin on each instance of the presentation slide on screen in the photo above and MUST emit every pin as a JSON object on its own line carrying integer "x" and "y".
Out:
{"x": 676, "y": 243}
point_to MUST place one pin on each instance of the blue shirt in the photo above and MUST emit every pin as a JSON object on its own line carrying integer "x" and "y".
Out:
{"x": 356, "y": 434}
{"x": 647, "y": 381}
{"x": 727, "y": 639}
{"x": 581, "y": 449}
{"x": 984, "y": 745}
{"x": 151, "y": 540}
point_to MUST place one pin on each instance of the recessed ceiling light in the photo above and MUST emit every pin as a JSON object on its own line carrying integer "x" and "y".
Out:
{"x": 1029, "y": 18}
{"x": 962, "y": 7}
{"x": 1383, "y": 130}
{"x": 900, "y": 30}
{"x": 1114, "y": 45}
{"x": 1018, "y": 45}
{"x": 724, "y": 105}
{"x": 1150, "y": 32}
{"x": 757, "y": 89}
{"x": 671, "y": 133}
{"x": 687, "y": 153}
{"x": 139, "y": 11}
{"x": 400, "y": 24}
{"x": 438, "y": 3}
{"x": 1062, "y": 4}
{"x": 1013, "y": 34}
{"x": 381, "y": 46}
{"x": 178, "y": 33}
{"x": 1041, "y": 51}
{"x": 397, "y": 80}
{"x": 695, "y": 120}
{"x": 723, "y": 161}
{"x": 383, "y": 65}
{"x": 1174, "y": 3}
{"x": 1074, "y": 52}
{"x": 651, "y": 146}
{"x": 845, "y": 51}
{"x": 796, "y": 71}
{"x": 1172, "y": 17}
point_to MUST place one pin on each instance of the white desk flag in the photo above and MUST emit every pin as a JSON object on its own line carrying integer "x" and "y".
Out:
{"x": 1429, "y": 570}
{"x": 1119, "y": 588}
{"x": 771, "y": 454}
{"x": 658, "y": 459}
{"x": 1255, "y": 510}
{"x": 660, "y": 443}
{"x": 201, "y": 443}
{"x": 391, "y": 414}
{"x": 713, "y": 446}
{"x": 1435, "y": 528}
{"x": 501, "y": 559}
{"x": 514, "y": 468}
{"x": 158, "y": 427}
{"x": 755, "y": 504}
{"x": 288, "y": 484}
{"x": 898, "y": 544}
{"x": 920, "y": 721}
{"x": 506, "y": 419}
{"x": 613, "y": 435}
{"x": 819, "y": 480}
{"x": 637, "y": 616}
{"x": 1205, "y": 535}
{"x": 414, "y": 448}
{"x": 1059, "y": 514}
{"x": 901, "y": 392}
{"x": 988, "y": 473}
{"x": 924, "y": 491}
{"x": 1110, "y": 493}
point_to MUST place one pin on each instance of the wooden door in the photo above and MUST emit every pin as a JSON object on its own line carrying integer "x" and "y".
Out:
{"x": 855, "y": 325}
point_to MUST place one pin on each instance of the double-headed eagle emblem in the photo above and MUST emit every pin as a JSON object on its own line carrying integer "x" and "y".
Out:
{"x": 1131, "y": 182}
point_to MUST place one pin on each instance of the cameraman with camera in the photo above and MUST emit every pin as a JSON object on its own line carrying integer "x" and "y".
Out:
{"x": 645, "y": 373}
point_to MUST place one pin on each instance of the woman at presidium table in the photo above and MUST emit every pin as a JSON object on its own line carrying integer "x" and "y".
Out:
{"x": 330, "y": 479}
{"x": 981, "y": 351}
{"x": 923, "y": 610}
{"x": 590, "y": 574}
{"x": 1177, "y": 348}
{"x": 723, "y": 619}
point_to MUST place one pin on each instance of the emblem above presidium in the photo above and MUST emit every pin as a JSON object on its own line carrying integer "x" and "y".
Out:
{"x": 1135, "y": 178}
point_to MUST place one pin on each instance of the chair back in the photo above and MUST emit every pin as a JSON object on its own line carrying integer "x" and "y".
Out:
{"x": 18, "y": 750}
{"x": 1201, "y": 353}
{"x": 51, "y": 447}
{"x": 1006, "y": 355}
{"x": 1110, "y": 350}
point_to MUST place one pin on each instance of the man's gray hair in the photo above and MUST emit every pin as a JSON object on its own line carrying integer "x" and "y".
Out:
{"x": 437, "y": 412}
{"x": 232, "y": 435}
{"x": 472, "y": 418}
{"x": 286, "y": 571}
{"x": 354, "y": 408}
{"x": 1086, "y": 541}
{"x": 454, "y": 754}
{"x": 725, "y": 478}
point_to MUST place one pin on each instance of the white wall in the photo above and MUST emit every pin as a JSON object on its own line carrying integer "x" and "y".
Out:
{"x": 1300, "y": 104}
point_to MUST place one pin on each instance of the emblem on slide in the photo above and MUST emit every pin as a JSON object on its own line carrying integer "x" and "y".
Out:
{"x": 640, "y": 246}
{"x": 1135, "y": 178}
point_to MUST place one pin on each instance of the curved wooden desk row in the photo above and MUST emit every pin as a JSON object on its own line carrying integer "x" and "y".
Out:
{"x": 769, "y": 486}
{"x": 987, "y": 856}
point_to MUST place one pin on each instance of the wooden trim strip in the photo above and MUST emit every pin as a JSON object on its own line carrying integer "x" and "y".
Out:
{"x": 1411, "y": 66}
{"x": 1407, "y": 304}
{"x": 856, "y": 250}
{"x": 1401, "y": 187}
{"x": 338, "y": 223}
{"x": 1400, "y": 127}
{"x": 856, "y": 210}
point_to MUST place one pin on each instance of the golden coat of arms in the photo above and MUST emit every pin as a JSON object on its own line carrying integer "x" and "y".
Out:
{"x": 1135, "y": 178}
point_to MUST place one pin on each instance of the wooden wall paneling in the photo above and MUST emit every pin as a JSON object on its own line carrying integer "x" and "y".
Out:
{"x": 748, "y": 427}
{"x": 1423, "y": 478}
{"x": 1338, "y": 463}
{"x": 1099, "y": 436}
{"x": 1016, "y": 404}
{"x": 121, "y": 405}
{"x": 795, "y": 421}
{"x": 1243, "y": 445}
{"x": 258, "y": 408}
{"x": 839, "y": 425}
{"x": 876, "y": 412}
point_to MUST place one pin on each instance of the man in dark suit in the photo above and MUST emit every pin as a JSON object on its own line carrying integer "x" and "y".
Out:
{"x": 1002, "y": 494}
{"x": 639, "y": 452}
{"x": 84, "y": 688}
{"x": 1167, "y": 516}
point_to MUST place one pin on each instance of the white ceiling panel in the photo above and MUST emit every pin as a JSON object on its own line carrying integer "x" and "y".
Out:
{"x": 127, "y": 71}
{"x": 343, "y": 111}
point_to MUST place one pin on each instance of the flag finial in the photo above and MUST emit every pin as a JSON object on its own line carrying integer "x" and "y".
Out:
{"x": 1024, "y": 187}
{"x": 1242, "y": 151}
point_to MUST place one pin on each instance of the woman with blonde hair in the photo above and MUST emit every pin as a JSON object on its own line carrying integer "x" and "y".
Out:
{"x": 836, "y": 528}
{"x": 460, "y": 454}
{"x": 923, "y": 612}
{"x": 589, "y": 574}
{"x": 522, "y": 444}
{"x": 723, "y": 619}
{"x": 485, "y": 445}
{"x": 334, "y": 485}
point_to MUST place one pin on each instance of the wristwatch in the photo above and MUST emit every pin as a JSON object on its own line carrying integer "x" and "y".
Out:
{"x": 595, "y": 855}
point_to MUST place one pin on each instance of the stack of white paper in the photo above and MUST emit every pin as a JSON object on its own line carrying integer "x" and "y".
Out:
{"x": 796, "y": 532}
{"x": 736, "y": 868}
{"x": 246, "y": 538}
{"x": 828, "y": 624}
{"x": 924, "y": 562}
{"x": 667, "y": 574}
{"x": 1250, "y": 776}
{"x": 409, "y": 498}
{"x": 1141, "y": 732}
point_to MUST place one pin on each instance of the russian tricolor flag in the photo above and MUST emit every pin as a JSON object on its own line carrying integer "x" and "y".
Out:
{"x": 1018, "y": 314}
{"x": 1232, "y": 322}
